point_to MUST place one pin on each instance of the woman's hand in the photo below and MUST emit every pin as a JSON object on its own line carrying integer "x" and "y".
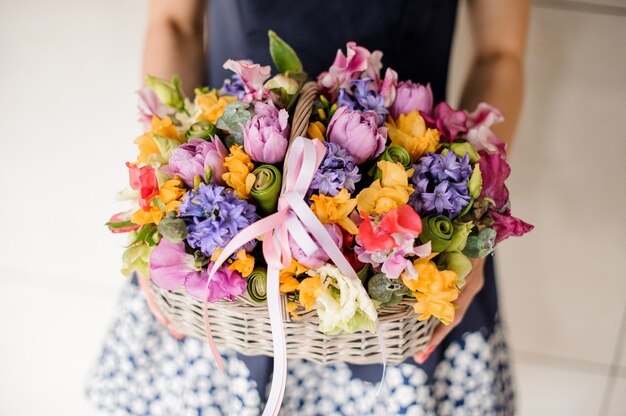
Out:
{"x": 474, "y": 283}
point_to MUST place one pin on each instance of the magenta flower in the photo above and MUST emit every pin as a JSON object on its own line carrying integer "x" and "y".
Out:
{"x": 358, "y": 133}
{"x": 448, "y": 121}
{"x": 171, "y": 268}
{"x": 319, "y": 257}
{"x": 506, "y": 225}
{"x": 149, "y": 105}
{"x": 495, "y": 171}
{"x": 345, "y": 68}
{"x": 225, "y": 284}
{"x": 253, "y": 77}
{"x": 265, "y": 137}
{"x": 194, "y": 157}
{"x": 170, "y": 265}
{"x": 412, "y": 97}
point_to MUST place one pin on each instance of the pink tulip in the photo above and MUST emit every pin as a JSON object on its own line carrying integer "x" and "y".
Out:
{"x": 265, "y": 137}
{"x": 319, "y": 257}
{"x": 253, "y": 77}
{"x": 170, "y": 265}
{"x": 194, "y": 157}
{"x": 412, "y": 97}
{"x": 358, "y": 133}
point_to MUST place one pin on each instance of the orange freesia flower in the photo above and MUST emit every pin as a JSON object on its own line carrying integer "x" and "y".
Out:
{"x": 287, "y": 276}
{"x": 316, "y": 130}
{"x": 147, "y": 145}
{"x": 409, "y": 131}
{"x": 434, "y": 290}
{"x": 335, "y": 210}
{"x": 291, "y": 308}
{"x": 170, "y": 194}
{"x": 390, "y": 192}
{"x": 309, "y": 291}
{"x": 212, "y": 107}
{"x": 141, "y": 217}
{"x": 244, "y": 263}
{"x": 239, "y": 176}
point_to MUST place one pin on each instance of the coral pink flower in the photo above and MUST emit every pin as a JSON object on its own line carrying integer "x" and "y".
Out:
{"x": 402, "y": 220}
{"x": 145, "y": 181}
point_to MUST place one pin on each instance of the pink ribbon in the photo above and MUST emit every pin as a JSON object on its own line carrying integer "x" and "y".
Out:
{"x": 295, "y": 218}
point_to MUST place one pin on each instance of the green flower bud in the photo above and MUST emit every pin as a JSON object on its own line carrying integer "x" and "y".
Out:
{"x": 481, "y": 244}
{"x": 201, "y": 130}
{"x": 174, "y": 229}
{"x": 459, "y": 236}
{"x": 475, "y": 183}
{"x": 461, "y": 149}
{"x": 438, "y": 230}
{"x": 387, "y": 291}
{"x": 169, "y": 93}
{"x": 458, "y": 263}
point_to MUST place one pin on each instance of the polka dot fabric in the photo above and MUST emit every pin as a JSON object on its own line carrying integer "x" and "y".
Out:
{"x": 144, "y": 371}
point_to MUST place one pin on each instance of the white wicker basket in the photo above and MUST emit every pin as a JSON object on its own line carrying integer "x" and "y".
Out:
{"x": 245, "y": 326}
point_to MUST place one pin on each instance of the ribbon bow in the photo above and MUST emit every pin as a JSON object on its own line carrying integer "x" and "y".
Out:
{"x": 295, "y": 218}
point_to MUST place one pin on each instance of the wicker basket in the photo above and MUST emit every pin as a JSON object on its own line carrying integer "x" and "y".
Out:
{"x": 245, "y": 326}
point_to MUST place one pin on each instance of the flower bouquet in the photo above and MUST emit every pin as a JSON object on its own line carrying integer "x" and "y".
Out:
{"x": 349, "y": 208}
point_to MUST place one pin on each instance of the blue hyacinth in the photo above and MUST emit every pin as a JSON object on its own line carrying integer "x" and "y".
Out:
{"x": 338, "y": 170}
{"x": 214, "y": 216}
{"x": 360, "y": 97}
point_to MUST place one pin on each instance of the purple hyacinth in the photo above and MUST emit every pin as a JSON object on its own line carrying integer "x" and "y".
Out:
{"x": 214, "y": 216}
{"x": 234, "y": 86}
{"x": 361, "y": 98}
{"x": 338, "y": 170}
{"x": 441, "y": 184}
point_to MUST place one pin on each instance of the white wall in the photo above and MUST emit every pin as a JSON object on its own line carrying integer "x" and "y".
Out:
{"x": 68, "y": 72}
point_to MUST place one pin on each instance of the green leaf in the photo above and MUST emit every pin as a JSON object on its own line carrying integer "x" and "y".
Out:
{"x": 121, "y": 224}
{"x": 169, "y": 93}
{"x": 165, "y": 145}
{"x": 236, "y": 115}
{"x": 283, "y": 55}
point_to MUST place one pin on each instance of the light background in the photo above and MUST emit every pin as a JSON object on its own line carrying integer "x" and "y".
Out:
{"x": 68, "y": 72}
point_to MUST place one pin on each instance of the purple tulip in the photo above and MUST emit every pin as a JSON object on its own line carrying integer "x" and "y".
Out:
{"x": 412, "y": 97}
{"x": 319, "y": 257}
{"x": 194, "y": 157}
{"x": 358, "y": 133}
{"x": 265, "y": 137}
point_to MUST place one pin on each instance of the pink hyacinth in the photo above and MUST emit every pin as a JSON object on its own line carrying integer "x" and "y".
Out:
{"x": 265, "y": 137}
{"x": 358, "y": 133}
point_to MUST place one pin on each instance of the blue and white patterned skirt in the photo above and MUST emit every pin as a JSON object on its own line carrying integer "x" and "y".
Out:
{"x": 143, "y": 370}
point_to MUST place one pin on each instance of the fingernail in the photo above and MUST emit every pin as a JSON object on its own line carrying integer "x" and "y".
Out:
{"x": 423, "y": 356}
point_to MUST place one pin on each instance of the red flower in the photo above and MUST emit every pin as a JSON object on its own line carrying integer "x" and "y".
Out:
{"x": 145, "y": 181}
{"x": 401, "y": 221}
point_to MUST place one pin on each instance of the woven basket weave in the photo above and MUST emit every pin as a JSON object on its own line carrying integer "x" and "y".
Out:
{"x": 245, "y": 326}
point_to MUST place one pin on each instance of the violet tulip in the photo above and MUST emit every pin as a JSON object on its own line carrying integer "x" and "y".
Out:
{"x": 198, "y": 157}
{"x": 410, "y": 97}
{"x": 319, "y": 257}
{"x": 358, "y": 133}
{"x": 265, "y": 137}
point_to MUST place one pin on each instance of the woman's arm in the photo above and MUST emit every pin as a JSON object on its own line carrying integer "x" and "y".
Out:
{"x": 175, "y": 41}
{"x": 496, "y": 77}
